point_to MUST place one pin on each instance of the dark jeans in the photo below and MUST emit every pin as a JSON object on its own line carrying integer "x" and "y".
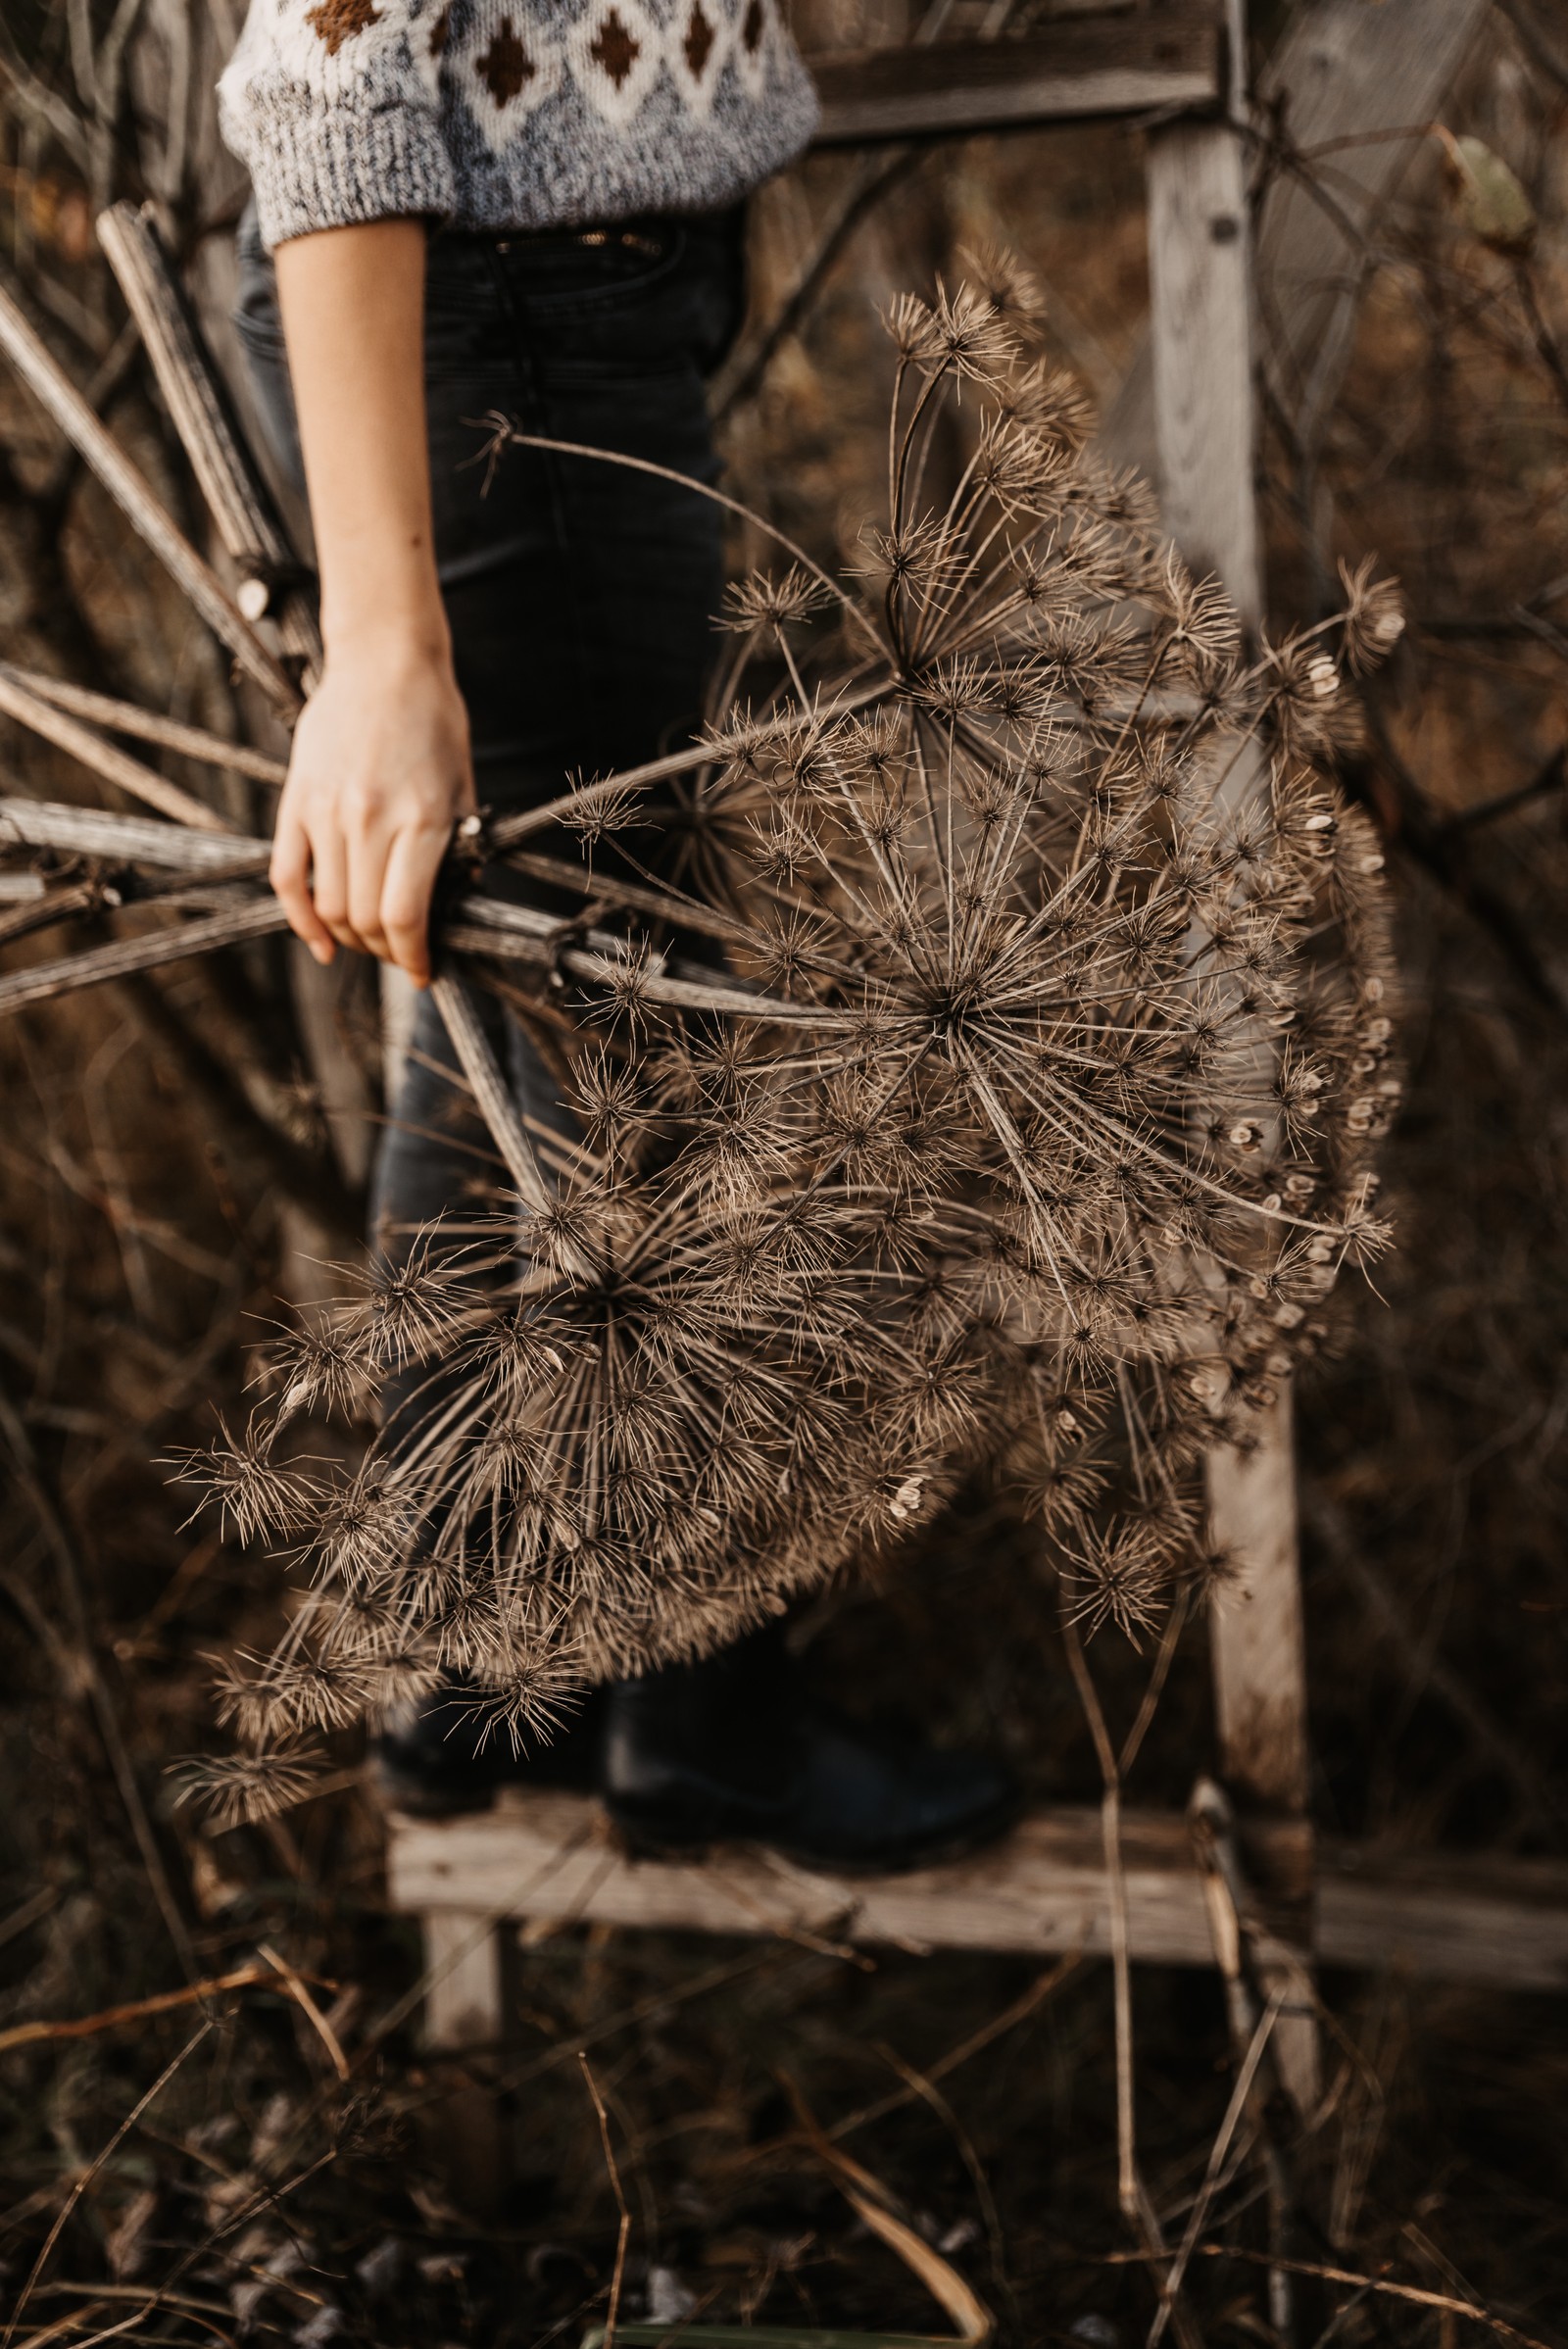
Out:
{"x": 580, "y": 594}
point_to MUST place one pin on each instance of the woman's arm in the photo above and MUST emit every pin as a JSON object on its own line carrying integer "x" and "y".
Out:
{"x": 380, "y": 770}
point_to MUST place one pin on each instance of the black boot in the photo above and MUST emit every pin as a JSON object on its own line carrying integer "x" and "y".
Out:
{"x": 733, "y": 1747}
{"x": 442, "y": 1762}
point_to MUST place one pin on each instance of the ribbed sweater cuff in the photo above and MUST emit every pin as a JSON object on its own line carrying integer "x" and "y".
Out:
{"x": 341, "y": 164}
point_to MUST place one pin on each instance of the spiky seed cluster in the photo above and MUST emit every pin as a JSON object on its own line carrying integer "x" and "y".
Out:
{"x": 1054, "y": 1162}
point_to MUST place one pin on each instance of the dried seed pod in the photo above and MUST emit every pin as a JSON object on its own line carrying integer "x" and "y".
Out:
{"x": 1040, "y": 1148}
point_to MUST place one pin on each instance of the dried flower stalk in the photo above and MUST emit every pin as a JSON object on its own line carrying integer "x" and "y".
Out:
{"x": 1031, "y": 1120}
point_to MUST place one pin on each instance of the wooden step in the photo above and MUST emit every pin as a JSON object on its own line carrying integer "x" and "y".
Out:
{"x": 552, "y": 1859}
{"x": 1080, "y": 68}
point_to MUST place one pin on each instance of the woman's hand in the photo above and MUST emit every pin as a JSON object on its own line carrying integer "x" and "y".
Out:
{"x": 379, "y": 775}
{"x": 382, "y": 769}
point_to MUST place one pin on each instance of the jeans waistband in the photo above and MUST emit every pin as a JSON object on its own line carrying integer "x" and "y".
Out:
{"x": 641, "y": 232}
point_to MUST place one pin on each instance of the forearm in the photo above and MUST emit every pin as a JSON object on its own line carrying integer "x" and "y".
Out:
{"x": 353, "y": 305}
{"x": 380, "y": 769}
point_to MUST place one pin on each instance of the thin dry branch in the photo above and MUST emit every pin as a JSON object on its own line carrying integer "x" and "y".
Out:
{"x": 127, "y": 774}
{"x": 879, "y": 2209}
{"x": 129, "y": 839}
{"x": 146, "y": 726}
{"x": 1415, "y": 2295}
{"x": 92, "y": 2170}
{"x": 624, "y": 2231}
{"x": 47, "y": 982}
{"x": 505, "y": 832}
{"x": 138, "y": 2010}
{"x": 49, "y": 383}
{"x": 877, "y": 177}
{"x": 490, "y": 1089}
{"x": 1136, "y": 2207}
{"x": 248, "y": 524}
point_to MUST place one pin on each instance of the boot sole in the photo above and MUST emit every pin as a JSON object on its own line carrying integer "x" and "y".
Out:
{"x": 647, "y": 1840}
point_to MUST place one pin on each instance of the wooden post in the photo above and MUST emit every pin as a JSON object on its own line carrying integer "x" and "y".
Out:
{"x": 463, "y": 1998}
{"x": 465, "y": 2128}
{"x": 1202, "y": 334}
{"x": 1200, "y": 329}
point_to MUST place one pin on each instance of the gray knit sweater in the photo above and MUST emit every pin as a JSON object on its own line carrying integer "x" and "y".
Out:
{"x": 509, "y": 114}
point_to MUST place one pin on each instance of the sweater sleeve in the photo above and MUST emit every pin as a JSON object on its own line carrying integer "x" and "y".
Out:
{"x": 333, "y": 107}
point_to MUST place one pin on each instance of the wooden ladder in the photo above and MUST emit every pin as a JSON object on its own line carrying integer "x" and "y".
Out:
{"x": 1188, "y": 410}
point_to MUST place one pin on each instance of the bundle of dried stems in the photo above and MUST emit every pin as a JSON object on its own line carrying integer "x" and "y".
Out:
{"x": 1028, "y": 1121}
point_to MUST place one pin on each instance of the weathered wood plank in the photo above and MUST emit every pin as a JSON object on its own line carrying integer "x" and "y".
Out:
{"x": 1201, "y": 304}
{"x": 1504, "y": 1923}
{"x": 1201, "y": 326}
{"x": 549, "y": 1858}
{"x": 1257, "y": 1637}
{"x": 463, "y": 1998}
{"x": 1200, "y": 298}
{"x": 462, "y": 2127}
{"x": 1074, "y": 71}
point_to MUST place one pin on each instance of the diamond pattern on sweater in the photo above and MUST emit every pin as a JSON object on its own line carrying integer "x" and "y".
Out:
{"x": 615, "y": 49}
{"x": 506, "y": 78}
{"x": 508, "y": 113}
{"x": 752, "y": 46}
{"x": 334, "y": 22}
{"x": 617, "y": 52}
{"x": 697, "y": 52}
{"x": 506, "y": 68}
{"x": 697, "y": 43}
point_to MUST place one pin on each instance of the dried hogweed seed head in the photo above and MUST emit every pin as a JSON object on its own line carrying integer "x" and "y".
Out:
{"x": 1011, "y": 287}
{"x": 766, "y": 600}
{"x": 1036, "y": 1127}
{"x": 257, "y": 1495}
{"x": 239, "y": 1788}
{"x": 1374, "y": 616}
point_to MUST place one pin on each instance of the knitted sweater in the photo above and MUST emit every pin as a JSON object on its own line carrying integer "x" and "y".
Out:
{"x": 509, "y": 114}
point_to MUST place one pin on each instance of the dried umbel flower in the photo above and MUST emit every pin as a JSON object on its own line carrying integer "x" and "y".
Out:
{"x": 1117, "y": 1577}
{"x": 259, "y": 1495}
{"x": 765, "y": 601}
{"x": 1373, "y": 619}
{"x": 321, "y": 1368}
{"x": 1029, "y": 1124}
{"x": 1013, "y": 290}
{"x": 237, "y": 1786}
{"x": 410, "y": 1308}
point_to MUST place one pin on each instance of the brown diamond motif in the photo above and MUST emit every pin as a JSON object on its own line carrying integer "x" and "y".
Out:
{"x": 335, "y": 21}
{"x": 506, "y": 66}
{"x": 697, "y": 44}
{"x": 752, "y": 28}
{"x": 615, "y": 47}
{"x": 440, "y": 30}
